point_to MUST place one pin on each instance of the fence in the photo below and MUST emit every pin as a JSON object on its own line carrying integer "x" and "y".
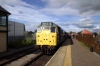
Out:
{"x": 90, "y": 41}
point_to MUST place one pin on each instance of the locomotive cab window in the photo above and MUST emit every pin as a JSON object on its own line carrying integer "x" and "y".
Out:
{"x": 38, "y": 29}
{"x": 52, "y": 29}
{"x": 46, "y": 28}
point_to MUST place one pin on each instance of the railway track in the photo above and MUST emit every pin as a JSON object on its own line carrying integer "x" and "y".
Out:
{"x": 40, "y": 60}
{"x": 33, "y": 55}
{"x": 10, "y": 58}
{"x": 24, "y": 61}
{"x": 34, "y": 59}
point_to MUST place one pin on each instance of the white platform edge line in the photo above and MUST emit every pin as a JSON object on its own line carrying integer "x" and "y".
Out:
{"x": 96, "y": 54}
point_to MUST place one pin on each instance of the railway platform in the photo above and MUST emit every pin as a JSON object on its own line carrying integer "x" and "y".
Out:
{"x": 72, "y": 53}
{"x": 12, "y": 51}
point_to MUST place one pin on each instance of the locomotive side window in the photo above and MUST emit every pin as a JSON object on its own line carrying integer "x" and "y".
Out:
{"x": 52, "y": 29}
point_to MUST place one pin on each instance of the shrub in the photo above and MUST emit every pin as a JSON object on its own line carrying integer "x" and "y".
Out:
{"x": 21, "y": 43}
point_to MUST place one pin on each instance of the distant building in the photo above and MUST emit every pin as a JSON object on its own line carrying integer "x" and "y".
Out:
{"x": 86, "y": 32}
{"x": 16, "y": 31}
{"x": 3, "y": 29}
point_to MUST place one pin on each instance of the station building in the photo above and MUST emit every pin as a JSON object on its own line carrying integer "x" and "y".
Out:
{"x": 3, "y": 29}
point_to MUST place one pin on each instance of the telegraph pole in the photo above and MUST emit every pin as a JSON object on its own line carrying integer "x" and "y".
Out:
{"x": 99, "y": 30}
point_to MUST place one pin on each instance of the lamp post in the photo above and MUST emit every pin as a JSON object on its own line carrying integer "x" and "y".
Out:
{"x": 99, "y": 30}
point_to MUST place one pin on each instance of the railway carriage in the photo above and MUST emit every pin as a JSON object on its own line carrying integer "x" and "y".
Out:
{"x": 49, "y": 36}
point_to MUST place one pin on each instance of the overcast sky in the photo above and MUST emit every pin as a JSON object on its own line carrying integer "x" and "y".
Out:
{"x": 71, "y": 15}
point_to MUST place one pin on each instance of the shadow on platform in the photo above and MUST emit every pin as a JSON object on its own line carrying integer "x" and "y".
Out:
{"x": 68, "y": 41}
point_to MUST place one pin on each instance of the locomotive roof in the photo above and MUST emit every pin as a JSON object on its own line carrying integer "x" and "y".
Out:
{"x": 52, "y": 24}
{"x": 49, "y": 23}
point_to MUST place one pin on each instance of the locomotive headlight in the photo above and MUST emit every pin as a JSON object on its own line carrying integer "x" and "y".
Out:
{"x": 52, "y": 36}
{"x": 38, "y": 36}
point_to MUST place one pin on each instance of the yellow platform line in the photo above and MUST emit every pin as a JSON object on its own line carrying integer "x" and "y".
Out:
{"x": 67, "y": 60}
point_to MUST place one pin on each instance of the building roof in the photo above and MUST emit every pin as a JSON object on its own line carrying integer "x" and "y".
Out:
{"x": 3, "y": 10}
{"x": 86, "y": 32}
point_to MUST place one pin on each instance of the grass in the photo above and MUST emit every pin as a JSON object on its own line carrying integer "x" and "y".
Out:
{"x": 84, "y": 45}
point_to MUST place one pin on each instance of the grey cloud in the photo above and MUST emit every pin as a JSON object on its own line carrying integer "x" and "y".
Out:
{"x": 85, "y": 19}
{"x": 55, "y": 3}
{"x": 93, "y": 26}
{"x": 83, "y": 7}
{"x": 25, "y": 13}
{"x": 96, "y": 30}
{"x": 63, "y": 23}
{"x": 85, "y": 23}
{"x": 86, "y": 7}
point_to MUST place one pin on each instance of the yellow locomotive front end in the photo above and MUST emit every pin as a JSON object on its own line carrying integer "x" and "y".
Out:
{"x": 46, "y": 37}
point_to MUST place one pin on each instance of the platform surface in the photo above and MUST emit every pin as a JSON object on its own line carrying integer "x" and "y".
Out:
{"x": 72, "y": 53}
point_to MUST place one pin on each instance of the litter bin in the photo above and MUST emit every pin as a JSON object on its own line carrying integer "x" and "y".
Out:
{"x": 91, "y": 49}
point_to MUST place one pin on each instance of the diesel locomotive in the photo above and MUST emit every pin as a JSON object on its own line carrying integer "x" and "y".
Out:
{"x": 49, "y": 37}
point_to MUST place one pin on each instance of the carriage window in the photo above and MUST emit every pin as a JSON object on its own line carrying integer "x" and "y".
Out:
{"x": 52, "y": 29}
